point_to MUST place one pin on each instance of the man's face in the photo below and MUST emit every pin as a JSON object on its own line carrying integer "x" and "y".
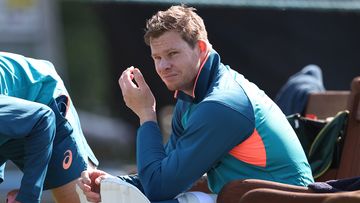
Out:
{"x": 175, "y": 61}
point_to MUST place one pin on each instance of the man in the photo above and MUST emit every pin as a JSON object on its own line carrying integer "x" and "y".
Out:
{"x": 223, "y": 125}
{"x": 40, "y": 130}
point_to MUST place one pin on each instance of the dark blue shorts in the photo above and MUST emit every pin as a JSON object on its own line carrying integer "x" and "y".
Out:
{"x": 70, "y": 155}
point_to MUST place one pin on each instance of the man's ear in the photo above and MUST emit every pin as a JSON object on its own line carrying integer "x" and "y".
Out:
{"x": 203, "y": 47}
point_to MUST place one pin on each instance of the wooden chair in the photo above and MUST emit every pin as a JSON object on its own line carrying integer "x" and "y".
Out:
{"x": 327, "y": 104}
{"x": 261, "y": 195}
{"x": 322, "y": 105}
{"x": 350, "y": 159}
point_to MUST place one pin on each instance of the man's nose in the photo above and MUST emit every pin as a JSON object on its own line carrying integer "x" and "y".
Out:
{"x": 164, "y": 64}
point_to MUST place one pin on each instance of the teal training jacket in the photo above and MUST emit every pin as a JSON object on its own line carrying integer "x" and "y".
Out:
{"x": 230, "y": 130}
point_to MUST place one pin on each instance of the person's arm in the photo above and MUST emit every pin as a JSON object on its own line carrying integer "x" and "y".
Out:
{"x": 35, "y": 123}
{"x": 209, "y": 135}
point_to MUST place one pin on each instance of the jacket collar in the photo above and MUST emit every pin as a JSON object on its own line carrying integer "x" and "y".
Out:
{"x": 203, "y": 79}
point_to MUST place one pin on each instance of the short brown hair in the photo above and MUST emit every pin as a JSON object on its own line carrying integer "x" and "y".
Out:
{"x": 180, "y": 18}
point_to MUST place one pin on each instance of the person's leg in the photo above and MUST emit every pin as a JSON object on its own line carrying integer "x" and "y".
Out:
{"x": 67, "y": 193}
{"x": 28, "y": 130}
{"x": 71, "y": 153}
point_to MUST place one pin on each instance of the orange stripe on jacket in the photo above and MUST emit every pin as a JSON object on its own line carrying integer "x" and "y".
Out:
{"x": 251, "y": 151}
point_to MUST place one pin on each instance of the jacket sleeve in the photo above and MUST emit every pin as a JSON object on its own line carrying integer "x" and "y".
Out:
{"x": 209, "y": 134}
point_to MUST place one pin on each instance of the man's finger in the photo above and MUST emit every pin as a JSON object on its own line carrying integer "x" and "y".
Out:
{"x": 139, "y": 78}
{"x": 82, "y": 186}
{"x": 126, "y": 78}
{"x": 98, "y": 180}
{"x": 85, "y": 177}
{"x": 85, "y": 174}
{"x": 93, "y": 197}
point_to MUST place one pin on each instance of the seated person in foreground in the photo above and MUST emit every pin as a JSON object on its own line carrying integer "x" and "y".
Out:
{"x": 223, "y": 125}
